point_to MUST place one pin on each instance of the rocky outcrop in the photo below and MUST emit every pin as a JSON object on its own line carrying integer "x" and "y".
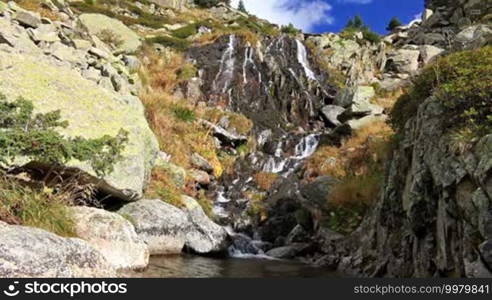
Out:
{"x": 60, "y": 68}
{"x": 435, "y": 214}
{"x": 163, "y": 227}
{"x": 31, "y": 252}
{"x": 112, "y": 235}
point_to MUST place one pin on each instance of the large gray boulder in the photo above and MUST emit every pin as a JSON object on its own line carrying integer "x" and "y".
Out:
{"x": 403, "y": 61}
{"x": 162, "y": 226}
{"x": 358, "y": 100}
{"x": 97, "y": 23}
{"x": 32, "y": 252}
{"x": 206, "y": 237}
{"x": 112, "y": 235}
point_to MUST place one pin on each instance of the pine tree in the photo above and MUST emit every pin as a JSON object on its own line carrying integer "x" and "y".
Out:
{"x": 241, "y": 7}
{"x": 395, "y": 22}
{"x": 358, "y": 23}
{"x": 350, "y": 24}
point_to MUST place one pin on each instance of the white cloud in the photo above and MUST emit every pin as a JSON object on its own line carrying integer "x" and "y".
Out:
{"x": 303, "y": 14}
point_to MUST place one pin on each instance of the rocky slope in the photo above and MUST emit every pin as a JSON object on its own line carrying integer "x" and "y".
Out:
{"x": 250, "y": 116}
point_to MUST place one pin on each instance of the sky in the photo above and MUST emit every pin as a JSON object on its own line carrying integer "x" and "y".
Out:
{"x": 317, "y": 16}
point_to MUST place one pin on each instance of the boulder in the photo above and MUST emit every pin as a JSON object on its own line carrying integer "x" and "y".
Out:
{"x": 473, "y": 37}
{"x": 95, "y": 23}
{"x": 226, "y": 138}
{"x": 113, "y": 236}
{"x": 206, "y": 237}
{"x": 28, "y": 18}
{"x": 287, "y": 252}
{"x": 357, "y": 99}
{"x": 32, "y": 252}
{"x": 317, "y": 191}
{"x": 91, "y": 112}
{"x": 201, "y": 163}
{"x": 331, "y": 113}
{"x": 486, "y": 252}
{"x": 403, "y": 61}
{"x": 200, "y": 177}
{"x": 428, "y": 53}
{"x": 162, "y": 226}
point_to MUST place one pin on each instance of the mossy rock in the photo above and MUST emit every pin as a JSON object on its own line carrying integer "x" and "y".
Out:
{"x": 90, "y": 111}
{"x": 97, "y": 23}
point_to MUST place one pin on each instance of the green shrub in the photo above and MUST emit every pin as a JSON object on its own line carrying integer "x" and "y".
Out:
{"x": 462, "y": 82}
{"x": 184, "y": 114}
{"x": 171, "y": 42}
{"x": 290, "y": 29}
{"x": 35, "y": 138}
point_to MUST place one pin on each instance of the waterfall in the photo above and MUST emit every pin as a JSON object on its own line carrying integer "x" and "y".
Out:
{"x": 303, "y": 60}
{"x": 248, "y": 60}
{"x": 307, "y": 146}
{"x": 226, "y": 69}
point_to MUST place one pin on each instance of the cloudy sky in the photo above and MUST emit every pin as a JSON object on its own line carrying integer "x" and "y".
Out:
{"x": 332, "y": 15}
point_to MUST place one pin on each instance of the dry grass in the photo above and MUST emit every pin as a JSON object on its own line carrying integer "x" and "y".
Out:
{"x": 264, "y": 180}
{"x": 39, "y": 7}
{"x": 162, "y": 186}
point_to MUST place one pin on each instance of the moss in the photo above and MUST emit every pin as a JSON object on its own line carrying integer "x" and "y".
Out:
{"x": 462, "y": 82}
{"x": 184, "y": 114}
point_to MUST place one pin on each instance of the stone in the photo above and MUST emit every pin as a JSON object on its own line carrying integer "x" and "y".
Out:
{"x": 428, "y": 53}
{"x": 132, "y": 63}
{"x": 99, "y": 53}
{"x": 81, "y": 44}
{"x": 44, "y": 33}
{"x": 357, "y": 124}
{"x": 96, "y": 23}
{"x": 331, "y": 113}
{"x": 163, "y": 227}
{"x": 65, "y": 53}
{"x": 473, "y": 37}
{"x": 403, "y": 61}
{"x": 92, "y": 74}
{"x": 287, "y": 252}
{"x": 206, "y": 237}
{"x": 486, "y": 252}
{"x": 427, "y": 14}
{"x": 226, "y": 138}
{"x": 201, "y": 163}
{"x": 91, "y": 112}
{"x": 199, "y": 176}
{"x": 297, "y": 235}
{"x": 177, "y": 173}
{"x": 318, "y": 191}
{"x": 112, "y": 235}
{"x": 32, "y": 252}
{"x": 358, "y": 100}
{"x": 27, "y": 18}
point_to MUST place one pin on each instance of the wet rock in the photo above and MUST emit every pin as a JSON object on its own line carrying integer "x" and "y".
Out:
{"x": 32, "y": 252}
{"x": 297, "y": 235}
{"x": 318, "y": 191}
{"x": 113, "y": 236}
{"x": 162, "y": 226}
{"x": 289, "y": 251}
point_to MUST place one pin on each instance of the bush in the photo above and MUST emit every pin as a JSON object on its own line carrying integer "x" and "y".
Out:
{"x": 393, "y": 24}
{"x": 462, "y": 82}
{"x": 35, "y": 138}
{"x": 290, "y": 29}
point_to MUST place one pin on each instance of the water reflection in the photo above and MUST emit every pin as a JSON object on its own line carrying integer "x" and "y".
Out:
{"x": 187, "y": 266}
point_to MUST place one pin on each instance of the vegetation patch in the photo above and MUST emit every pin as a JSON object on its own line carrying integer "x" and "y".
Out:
{"x": 265, "y": 181}
{"x": 462, "y": 82}
{"x": 35, "y": 137}
{"x": 162, "y": 186}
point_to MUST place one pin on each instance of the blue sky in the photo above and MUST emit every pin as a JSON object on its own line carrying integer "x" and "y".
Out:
{"x": 332, "y": 15}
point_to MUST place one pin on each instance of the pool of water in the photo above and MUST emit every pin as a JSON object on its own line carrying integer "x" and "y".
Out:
{"x": 188, "y": 266}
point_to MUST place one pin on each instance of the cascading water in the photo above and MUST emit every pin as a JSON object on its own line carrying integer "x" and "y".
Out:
{"x": 226, "y": 70}
{"x": 303, "y": 60}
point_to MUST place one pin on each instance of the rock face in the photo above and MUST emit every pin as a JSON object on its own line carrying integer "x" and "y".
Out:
{"x": 113, "y": 236}
{"x": 435, "y": 214}
{"x": 31, "y": 252}
{"x": 49, "y": 77}
{"x": 162, "y": 226}
{"x": 205, "y": 237}
{"x": 96, "y": 23}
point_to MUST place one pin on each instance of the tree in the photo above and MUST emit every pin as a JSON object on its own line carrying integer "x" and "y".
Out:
{"x": 350, "y": 23}
{"x": 394, "y": 23}
{"x": 358, "y": 23}
{"x": 241, "y": 7}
